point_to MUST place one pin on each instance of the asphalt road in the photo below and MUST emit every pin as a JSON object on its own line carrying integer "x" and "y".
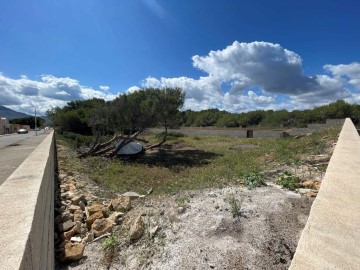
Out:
{"x": 14, "y": 149}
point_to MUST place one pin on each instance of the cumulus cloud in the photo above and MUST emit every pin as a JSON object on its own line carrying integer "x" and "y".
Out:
{"x": 346, "y": 73}
{"x": 47, "y": 92}
{"x": 241, "y": 77}
{"x": 244, "y": 102}
{"x": 267, "y": 65}
{"x": 261, "y": 65}
{"x": 200, "y": 94}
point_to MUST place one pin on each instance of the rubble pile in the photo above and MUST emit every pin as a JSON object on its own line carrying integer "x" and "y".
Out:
{"x": 80, "y": 219}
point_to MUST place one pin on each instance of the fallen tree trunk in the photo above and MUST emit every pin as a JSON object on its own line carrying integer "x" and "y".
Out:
{"x": 126, "y": 141}
{"x": 96, "y": 146}
{"x": 109, "y": 149}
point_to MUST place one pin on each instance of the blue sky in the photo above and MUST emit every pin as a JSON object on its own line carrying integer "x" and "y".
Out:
{"x": 233, "y": 55}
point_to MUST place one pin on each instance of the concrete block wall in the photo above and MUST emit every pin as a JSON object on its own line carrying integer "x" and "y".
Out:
{"x": 317, "y": 127}
{"x": 331, "y": 237}
{"x": 335, "y": 122}
{"x": 27, "y": 212}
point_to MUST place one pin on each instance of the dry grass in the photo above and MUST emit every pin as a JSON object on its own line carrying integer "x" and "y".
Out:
{"x": 194, "y": 162}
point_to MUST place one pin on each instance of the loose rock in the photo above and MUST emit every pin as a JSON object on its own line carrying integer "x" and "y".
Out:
{"x": 102, "y": 226}
{"x": 77, "y": 199}
{"x": 73, "y": 251}
{"x": 137, "y": 229}
{"x": 95, "y": 208}
{"x": 116, "y": 217}
{"x": 121, "y": 204}
{"x": 77, "y": 227}
{"x": 92, "y": 218}
{"x": 67, "y": 235}
{"x": 78, "y": 215}
{"x": 62, "y": 218}
{"x": 82, "y": 205}
{"x": 308, "y": 184}
{"x": 73, "y": 208}
{"x": 63, "y": 227}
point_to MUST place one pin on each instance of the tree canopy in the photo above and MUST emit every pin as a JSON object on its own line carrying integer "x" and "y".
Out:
{"x": 152, "y": 107}
{"x": 29, "y": 121}
{"x": 129, "y": 114}
{"x": 270, "y": 118}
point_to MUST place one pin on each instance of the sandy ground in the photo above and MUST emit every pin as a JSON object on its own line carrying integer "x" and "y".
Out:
{"x": 196, "y": 230}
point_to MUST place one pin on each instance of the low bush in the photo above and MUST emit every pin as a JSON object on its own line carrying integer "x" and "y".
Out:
{"x": 288, "y": 180}
{"x": 235, "y": 206}
{"x": 254, "y": 179}
{"x": 109, "y": 244}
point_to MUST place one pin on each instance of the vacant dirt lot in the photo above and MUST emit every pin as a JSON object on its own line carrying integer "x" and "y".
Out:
{"x": 202, "y": 233}
{"x": 229, "y": 227}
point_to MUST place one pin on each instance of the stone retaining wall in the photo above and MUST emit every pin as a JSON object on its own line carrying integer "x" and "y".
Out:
{"x": 331, "y": 237}
{"x": 27, "y": 212}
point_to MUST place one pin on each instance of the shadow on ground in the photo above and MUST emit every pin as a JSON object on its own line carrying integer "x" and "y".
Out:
{"x": 173, "y": 158}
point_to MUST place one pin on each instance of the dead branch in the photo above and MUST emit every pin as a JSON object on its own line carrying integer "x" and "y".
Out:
{"x": 158, "y": 144}
{"x": 107, "y": 149}
{"x": 124, "y": 142}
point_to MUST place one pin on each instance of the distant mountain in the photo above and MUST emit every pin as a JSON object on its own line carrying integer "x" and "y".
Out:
{"x": 11, "y": 114}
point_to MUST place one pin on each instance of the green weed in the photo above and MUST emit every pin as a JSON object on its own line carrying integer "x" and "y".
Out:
{"x": 235, "y": 206}
{"x": 254, "y": 179}
{"x": 109, "y": 244}
{"x": 288, "y": 180}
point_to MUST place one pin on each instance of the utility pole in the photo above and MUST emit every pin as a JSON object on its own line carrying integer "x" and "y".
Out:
{"x": 35, "y": 121}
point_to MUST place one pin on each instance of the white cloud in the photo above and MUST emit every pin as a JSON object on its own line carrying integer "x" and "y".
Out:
{"x": 62, "y": 93}
{"x": 200, "y": 94}
{"x": 265, "y": 66}
{"x": 132, "y": 89}
{"x": 347, "y": 73}
{"x": 241, "y": 77}
{"x": 104, "y": 88}
{"x": 235, "y": 103}
{"x": 50, "y": 91}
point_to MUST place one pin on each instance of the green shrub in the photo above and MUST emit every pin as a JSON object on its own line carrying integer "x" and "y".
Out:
{"x": 235, "y": 206}
{"x": 288, "y": 180}
{"x": 254, "y": 179}
{"x": 77, "y": 140}
{"x": 109, "y": 244}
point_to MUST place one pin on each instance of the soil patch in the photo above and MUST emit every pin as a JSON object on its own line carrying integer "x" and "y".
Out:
{"x": 196, "y": 230}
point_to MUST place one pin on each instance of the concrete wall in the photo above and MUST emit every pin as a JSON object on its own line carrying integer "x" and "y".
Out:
{"x": 229, "y": 132}
{"x": 330, "y": 123}
{"x": 331, "y": 237}
{"x": 27, "y": 212}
